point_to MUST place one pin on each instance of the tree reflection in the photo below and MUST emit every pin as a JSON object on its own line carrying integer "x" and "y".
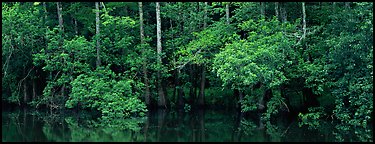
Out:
{"x": 176, "y": 126}
{"x": 106, "y": 129}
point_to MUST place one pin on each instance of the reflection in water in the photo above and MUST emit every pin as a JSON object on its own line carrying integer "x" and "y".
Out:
{"x": 163, "y": 125}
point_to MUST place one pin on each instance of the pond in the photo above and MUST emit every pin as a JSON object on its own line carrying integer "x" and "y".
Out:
{"x": 23, "y": 125}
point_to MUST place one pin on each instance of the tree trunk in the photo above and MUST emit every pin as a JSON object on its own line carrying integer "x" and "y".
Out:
{"x": 45, "y": 25}
{"x": 193, "y": 74}
{"x": 145, "y": 128}
{"x": 126, "y": 11}
{"x": 196, "y": 78}
{"x": 180, "y": 118}
{"x": 46, "y": 38}
{"x": 75, "y": 26}
{"x": 236, "y": 93}
{"x": 147, "y": 90}
{"x": 201, "y": 123}
{"x": 98, "y": 62}
{"x": 277, "y": 9}
{"x": 24, "y": 87}
{"x": 261, "y": 102}
{"x": 61, "y": 26}
{"x": 180, "y": 90}
{"x": 227, "y": 12}
{"x": 283, "y": 12}
{"x": 262, "y": 9}
{"x": 174, "y": 95}
{"x": 240, "y": 93}
{"x": 164, "y": 88}
{"x": 203, "y": 81}
{"x": 260, "y": 123}
{"x": 198, "y": 10}
{"x": 161, "y": 113}
{"x": 191, "y": 88}
{"x": 347, "y": 4}
{"x": 61, "y": 40}
{"x": 34, "y": 91}
{"x": 180, "y": 101}
{"x": 203, "y": 75}
{"x": 45, "y": 13}
{"x": 162, "y": 101}
{"x": 59, "y": 10}
{"x": 236, "y": 132}
{"x": 205, "y": 15}
{"x": 304, "y": 20}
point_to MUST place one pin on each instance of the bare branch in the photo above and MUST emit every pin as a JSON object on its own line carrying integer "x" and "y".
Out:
{"x": 183, "y": 65}
{"x": 6, "y": 64}
{"x": 19, "y": 83}
{"x": 285, "y": 105}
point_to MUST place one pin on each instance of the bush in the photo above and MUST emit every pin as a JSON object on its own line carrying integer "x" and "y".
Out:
{"x": 107, "y": 92}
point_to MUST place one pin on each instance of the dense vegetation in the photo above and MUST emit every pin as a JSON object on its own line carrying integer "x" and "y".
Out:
{"x": 121, "y": 59}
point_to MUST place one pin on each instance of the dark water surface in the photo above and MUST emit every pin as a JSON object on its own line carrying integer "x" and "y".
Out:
{"x": 161, "y": 125}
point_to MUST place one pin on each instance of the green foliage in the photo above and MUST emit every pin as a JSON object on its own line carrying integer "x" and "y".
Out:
{"x": 205, "y": 45}
{"x": 249, "y": 103}
{"x": 93, "y": 130}
{"x": 247, "y": 126}
{"x": 105, "y": 91}
{"x": 187, "y": 107}
{"x": 68, "y": 62}
{"x": 313, "y": 118}
{"x": 116, "y": 41}
{"x": 343, "y": 63}
{"x": 254, "y": 54}
{"x": 219, "y": 96}
{"x": 21, "y": 36}
{"x": 273, "y": 106}
{"x": 245, "y": 11}
{"x": 349, "y": 132}
{"x": 259, "y": 58}
{"x": 274, "y": 131}
{"x": 74, "y": 56}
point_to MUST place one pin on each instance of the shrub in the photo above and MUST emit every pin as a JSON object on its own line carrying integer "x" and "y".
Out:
{"x": 107, "y": 92}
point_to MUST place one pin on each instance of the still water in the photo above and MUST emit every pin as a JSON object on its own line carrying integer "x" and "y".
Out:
{"x": 158, "y": 126}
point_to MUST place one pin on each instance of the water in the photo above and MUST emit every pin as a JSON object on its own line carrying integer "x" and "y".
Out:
{"x": 158, "y": 126}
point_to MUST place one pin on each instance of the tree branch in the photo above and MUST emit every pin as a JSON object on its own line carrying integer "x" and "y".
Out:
{"x": 285, "y": 105}
{"x": 19, "y": 83}
{"x": 6, "y": 64}
{"x": 183, "y": 65}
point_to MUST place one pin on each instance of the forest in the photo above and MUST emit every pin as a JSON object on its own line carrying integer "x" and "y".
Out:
{"x": 310, "y": 60}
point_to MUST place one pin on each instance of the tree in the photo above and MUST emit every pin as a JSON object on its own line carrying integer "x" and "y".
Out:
{"x": 277, "y": 9}
{"x": 304, "y": 20}
{"x": 21, "y": 37}
{"x": 203, "y": 74}
{"x": 256, "y": 60}
{"x": 59, "y": 15}
{"x": 283, "y": 12}
{"x": 263, "y": 9}
{"x": 97, "y": 35}
{"x": 268, "y": 61}
{"x": 61, "y": 40}
{"x": 147, "y": 91}
{"x": 227, "y": 12}
{"x": 162, "y": 99}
